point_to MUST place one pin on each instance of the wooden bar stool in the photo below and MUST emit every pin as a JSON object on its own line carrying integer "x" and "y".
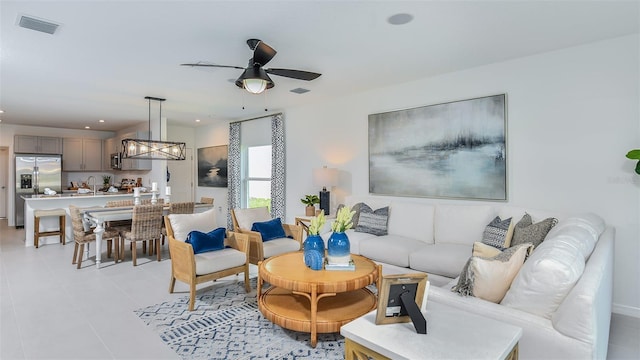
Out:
{"x": 37, "y": 214}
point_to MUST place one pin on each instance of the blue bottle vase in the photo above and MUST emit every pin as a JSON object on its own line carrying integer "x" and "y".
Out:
{"x": 339, "y": 249}
{"x": 314, "y": 252}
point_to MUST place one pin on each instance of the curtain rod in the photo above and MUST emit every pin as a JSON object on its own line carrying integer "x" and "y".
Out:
{"x": 256, "y": 118}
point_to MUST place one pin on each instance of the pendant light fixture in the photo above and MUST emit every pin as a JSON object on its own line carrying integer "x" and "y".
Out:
{"x": 148, "y": 149}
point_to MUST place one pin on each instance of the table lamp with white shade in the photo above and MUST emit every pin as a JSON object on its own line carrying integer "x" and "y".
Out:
{"x": 325, "y": 177}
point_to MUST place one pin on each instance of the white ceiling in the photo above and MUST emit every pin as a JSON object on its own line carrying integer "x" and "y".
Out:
{"x": 108, "y": 55}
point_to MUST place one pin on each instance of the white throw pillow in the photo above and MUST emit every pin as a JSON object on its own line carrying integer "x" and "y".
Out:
{"x": 490, "y": 278}
{"x": 182, "y": 224}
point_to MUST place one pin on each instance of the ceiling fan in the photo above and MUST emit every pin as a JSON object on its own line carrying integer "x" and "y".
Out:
{"x": 254, "y": 78}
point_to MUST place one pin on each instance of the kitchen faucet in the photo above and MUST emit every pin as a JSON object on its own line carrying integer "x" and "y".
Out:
{"x": 94, "y": 183}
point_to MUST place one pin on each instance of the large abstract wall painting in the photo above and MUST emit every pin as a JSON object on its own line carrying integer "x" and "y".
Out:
{"x": 212, "y": 166}
{"x": 450, "y": 150}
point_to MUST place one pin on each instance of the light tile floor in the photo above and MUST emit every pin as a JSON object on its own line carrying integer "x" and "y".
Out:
{"x": 51, "y": 310}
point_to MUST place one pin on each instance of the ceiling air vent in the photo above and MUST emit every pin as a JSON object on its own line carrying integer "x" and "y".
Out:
{"x": 37, "y": 25}
{"x": 299, "y": 90}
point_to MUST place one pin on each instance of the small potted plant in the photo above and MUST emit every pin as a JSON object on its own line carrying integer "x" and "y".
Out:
{"x": 106, "y": 181}
{"x": 635, "y": 155}
{"x": 310, "y": 201}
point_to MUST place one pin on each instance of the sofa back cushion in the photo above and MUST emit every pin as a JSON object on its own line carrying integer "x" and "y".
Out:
{"x": 461, "y": 224}
{"x": 246, "y": 217}
{"x": 411, "y": 220}
{"x": 183, "y": 224}
{"x": 546, "y": 277}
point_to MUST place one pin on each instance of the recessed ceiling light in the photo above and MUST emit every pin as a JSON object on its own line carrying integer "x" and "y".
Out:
{"x": 400, "y": 19}
{"x": 1, "y": 111}
{"x": 101, "y": 121}
{"x": 87, "y": 127}
{"x": 197, "y": 120}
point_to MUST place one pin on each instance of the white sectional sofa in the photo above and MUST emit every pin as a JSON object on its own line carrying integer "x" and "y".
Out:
{"x": 561, "y": 296}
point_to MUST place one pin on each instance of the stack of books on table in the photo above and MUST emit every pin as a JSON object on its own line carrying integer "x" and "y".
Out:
{"x": 350, "y": 266}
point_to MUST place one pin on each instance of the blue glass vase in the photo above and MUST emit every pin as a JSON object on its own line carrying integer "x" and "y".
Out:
{"x": 314, "y": 252}
{"x": 339, "y": 249}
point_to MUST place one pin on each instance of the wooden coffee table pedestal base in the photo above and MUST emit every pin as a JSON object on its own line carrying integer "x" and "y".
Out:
{"x": 324, "y": 314}
{"x": 306, "y": 300}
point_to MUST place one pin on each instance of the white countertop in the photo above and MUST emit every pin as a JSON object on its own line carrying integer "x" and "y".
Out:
{"x": 76, "y": 195}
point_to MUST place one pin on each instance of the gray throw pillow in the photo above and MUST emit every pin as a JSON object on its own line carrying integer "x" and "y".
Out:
{"x": 357, "y": 207}
{"x": 526, "y": 231}
{"x": 373, "y": 222}
{"x": 498, "y": 233}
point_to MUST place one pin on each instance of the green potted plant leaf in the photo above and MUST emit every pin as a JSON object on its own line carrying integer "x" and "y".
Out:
{"x": 310, "y": 201}
{"x": 635, "y": 155}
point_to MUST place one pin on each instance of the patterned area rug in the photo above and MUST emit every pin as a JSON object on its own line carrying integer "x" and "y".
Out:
{"x": 226, "y": 324}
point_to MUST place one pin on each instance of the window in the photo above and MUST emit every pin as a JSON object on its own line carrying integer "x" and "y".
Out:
{"x": 257, "y": 182}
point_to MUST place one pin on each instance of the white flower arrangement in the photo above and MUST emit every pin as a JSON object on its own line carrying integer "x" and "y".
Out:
{"x": 343, "y": 220}
{"x": 317, "y": 223}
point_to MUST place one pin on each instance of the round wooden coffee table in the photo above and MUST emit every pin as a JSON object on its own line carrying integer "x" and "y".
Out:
{"x": 315, "y": 301}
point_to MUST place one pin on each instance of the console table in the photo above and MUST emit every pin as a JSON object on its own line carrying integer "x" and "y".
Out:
{"x": 451, "y": 334}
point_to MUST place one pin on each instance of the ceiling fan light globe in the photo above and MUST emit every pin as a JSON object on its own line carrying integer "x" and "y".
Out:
{"x": 254, "y": 86}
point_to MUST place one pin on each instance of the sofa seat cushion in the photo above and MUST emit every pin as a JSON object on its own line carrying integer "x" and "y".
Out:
{"x": 279, "y": 246}
{"x": 390, "y": 249}
{"x": 213, "y": 261}
{"x": 441, "y": 259}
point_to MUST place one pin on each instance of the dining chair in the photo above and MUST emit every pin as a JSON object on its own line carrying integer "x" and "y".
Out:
{"x": 196, "y": 268}
{"x": 123, "y": 225}
{"x": 83, "y": 234}
{"x": 260, "y": 249}
{"x": 206, "y": 200}
{"x": 146, "y": 225}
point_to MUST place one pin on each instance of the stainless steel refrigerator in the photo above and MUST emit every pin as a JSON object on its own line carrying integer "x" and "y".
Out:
{"x": 34, "y": 173}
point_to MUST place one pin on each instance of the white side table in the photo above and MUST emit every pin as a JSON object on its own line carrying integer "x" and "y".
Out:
{"x": 451, "y": 334}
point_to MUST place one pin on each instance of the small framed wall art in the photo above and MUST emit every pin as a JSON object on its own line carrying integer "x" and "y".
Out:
{"x": 212, "y": 166}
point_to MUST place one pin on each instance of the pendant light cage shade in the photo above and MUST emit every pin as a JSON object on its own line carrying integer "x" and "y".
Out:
{"x": 148, "y": 149}
{"x": 153, "y": 149}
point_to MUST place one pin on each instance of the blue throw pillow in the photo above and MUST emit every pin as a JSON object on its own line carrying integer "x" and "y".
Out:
{"x": 204, "y": 242}
{"x": 269, "y": 230}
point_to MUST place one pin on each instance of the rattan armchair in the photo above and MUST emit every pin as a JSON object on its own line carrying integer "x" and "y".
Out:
{"x": 83, "y": 234}
{"x": 243, "y": 220}
{"x": 195, "y": 269}
{"x": 146, "y": 225}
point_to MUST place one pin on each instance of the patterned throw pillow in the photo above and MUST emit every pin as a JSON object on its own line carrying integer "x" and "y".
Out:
{"x": 373, "y": 222}
{"x": 498, "y": 233}
{"x": 356, "y": 216}
{"x": 490, "y": 278}
{"x": 526, "y": 231}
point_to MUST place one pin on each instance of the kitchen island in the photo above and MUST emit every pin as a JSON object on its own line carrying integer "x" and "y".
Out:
{"x": 62, "y": 201}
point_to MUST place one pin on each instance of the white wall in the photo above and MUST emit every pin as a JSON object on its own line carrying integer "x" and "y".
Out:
{"x": 572, "y": 116}
{"x": 213, "y": 136}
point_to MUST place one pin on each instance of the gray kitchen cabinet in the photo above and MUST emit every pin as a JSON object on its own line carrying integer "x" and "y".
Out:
{"x": 80, "y": 154}
{"x": 30, "y": 144}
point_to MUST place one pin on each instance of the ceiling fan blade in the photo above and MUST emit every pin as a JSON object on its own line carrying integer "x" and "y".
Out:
{"x": 263, "y": 53}
{"x": 213, "y": 65}
{"x": 295, "y": 74}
